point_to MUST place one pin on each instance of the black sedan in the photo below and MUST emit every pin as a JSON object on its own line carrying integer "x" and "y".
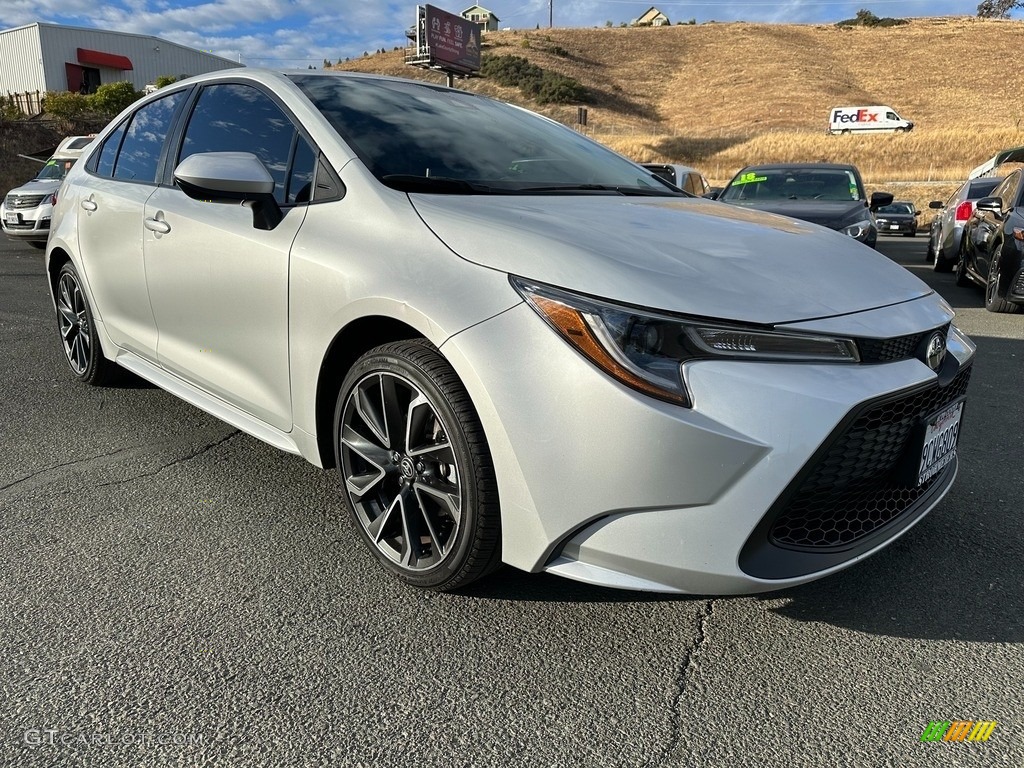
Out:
{"x": 992, "y": 245}
{"x": 828, "y": 194}
{"x": 897, "y": 218}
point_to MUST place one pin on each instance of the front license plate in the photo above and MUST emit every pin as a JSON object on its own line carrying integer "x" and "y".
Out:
{"x": 11, "y": 218}
{"x": 894, "y": 226}
{"x": 940, "y": 439}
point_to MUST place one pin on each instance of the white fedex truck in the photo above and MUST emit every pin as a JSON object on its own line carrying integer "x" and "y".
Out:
{"x": 879, "y": 118}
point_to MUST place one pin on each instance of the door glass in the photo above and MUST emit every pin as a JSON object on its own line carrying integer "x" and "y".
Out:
{"x": 140, "y": 151}
{"x": 241, "y": 118}
{"x": 107, "y": 156}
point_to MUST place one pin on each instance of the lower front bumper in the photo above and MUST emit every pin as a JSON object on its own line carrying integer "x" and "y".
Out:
{"x": 601, "y": 484}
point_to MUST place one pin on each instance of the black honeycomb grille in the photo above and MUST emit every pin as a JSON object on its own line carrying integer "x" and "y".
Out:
{"x": 889, "y": 350}
{"x": 857, "y": 486}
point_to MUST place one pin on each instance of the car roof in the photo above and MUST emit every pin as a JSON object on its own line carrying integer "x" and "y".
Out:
{"x": 801, "y": 166}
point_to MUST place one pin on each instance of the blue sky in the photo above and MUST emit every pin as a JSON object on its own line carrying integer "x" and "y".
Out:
{"x": 294, "y": 33}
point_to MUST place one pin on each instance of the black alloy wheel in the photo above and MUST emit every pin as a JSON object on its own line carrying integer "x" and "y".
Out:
{"x": 963, "y": 278}
{"x": 993, "y": 302}
{"x": 417, "y": 474}
{"x": 77, "y": 331}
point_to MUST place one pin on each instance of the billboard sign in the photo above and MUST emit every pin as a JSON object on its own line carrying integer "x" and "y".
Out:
{"x": 454, "y": 42}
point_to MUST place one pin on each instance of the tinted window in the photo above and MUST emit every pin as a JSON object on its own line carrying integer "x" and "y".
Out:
{"x": 1007, "y": 190}
{"x": 300, "y": 181}
{"x": 108, "y": 153}
{"x": 981, "y": 188}
{"x": 416, "y": 131}
{"x": 140, "y": 151}
{"x": 794, "y": 184}
{"x": 240, "y": 118}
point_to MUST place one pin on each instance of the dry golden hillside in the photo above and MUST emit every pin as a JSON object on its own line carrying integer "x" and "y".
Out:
{"x": 721, "y": 96}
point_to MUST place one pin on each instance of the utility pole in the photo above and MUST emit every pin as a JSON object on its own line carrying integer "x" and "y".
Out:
{"x": 551, "y": 13}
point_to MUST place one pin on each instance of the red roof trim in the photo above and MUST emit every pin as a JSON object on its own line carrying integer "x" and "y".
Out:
{"x": 101, "y": 59}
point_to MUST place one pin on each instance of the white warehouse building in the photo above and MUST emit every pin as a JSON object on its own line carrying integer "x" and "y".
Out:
{"x": 53, "y": 57}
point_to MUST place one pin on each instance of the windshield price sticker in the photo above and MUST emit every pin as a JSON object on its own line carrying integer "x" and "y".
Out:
{"x": 749, "y": 178}
{"x": 940, "y": 440}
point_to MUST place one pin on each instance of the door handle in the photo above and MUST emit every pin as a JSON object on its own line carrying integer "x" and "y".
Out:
{"x": 89, "y": 205}
{"x": 157, "y": 225}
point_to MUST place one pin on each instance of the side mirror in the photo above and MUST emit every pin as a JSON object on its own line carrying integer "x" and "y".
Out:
{"x": 991, "y": 204}
{"x": 880, "y": 200}
{"x": 231, "y": 177}
{"x": 935, "y": 204}
{"x": 712, "y": 194}
{"x": 917, "y": 213}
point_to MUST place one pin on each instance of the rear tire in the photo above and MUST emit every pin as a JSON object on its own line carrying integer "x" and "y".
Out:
{"x": 78, "y": 336}
{"x": 416, "y": 471}
{"x": 963, "y": 279}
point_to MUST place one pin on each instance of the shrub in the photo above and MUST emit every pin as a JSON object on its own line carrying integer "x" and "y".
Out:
{"x": 165, "y": 80}
{"x": 111, "y": 98}
{"x": 544, "y": 87}
{"x": 866, "y": 18}
{"x": 66, "y": 105}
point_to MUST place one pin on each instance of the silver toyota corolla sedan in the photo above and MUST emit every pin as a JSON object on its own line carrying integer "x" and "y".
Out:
{"x": 514, "y": 344}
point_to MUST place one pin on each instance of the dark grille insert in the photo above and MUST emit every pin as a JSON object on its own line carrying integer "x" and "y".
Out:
{"x": 889, "y": 350}
{"x": 1017, "y": 287}
{"x": 856, "y": 487}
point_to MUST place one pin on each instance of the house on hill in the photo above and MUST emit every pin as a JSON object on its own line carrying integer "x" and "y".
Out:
{"x": 487, "y": 20}
{"x": 652, "y": 17}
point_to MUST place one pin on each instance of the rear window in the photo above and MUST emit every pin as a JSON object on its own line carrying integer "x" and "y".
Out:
{"x": 982, "y": 187}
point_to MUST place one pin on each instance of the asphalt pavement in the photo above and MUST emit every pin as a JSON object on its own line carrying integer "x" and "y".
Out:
{"x": 176, "y": 593}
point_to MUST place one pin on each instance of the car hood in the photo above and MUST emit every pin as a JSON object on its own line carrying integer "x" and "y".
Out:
{"x": 35, "y": 187}
{"x": 834, "y": 214}
{"x": 686, "y": 255}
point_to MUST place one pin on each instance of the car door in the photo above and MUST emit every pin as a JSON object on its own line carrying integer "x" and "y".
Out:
{"x": 219, "y": 286}
{"x": 111, "y": 199}
{"x": 987, "y": 231}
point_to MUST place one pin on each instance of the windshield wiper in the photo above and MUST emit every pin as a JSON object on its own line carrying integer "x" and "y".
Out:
{"x": 618, "y": 189}
{"x": 443, "y": 185}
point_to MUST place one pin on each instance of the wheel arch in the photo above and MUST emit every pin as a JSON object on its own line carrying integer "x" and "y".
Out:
{"x": 347, "y": 346}
{"x": 55, "y": 261}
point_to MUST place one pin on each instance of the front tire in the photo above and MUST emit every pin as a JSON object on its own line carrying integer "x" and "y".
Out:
{"x": 77, "y": 330}
{"x": 416, "y": 471}
{"x": 993, "y": 303}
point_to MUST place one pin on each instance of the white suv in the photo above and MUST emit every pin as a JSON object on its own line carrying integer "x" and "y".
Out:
{"x": 25, "y": 211}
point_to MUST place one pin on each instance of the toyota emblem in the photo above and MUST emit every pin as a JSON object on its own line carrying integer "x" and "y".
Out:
{"x": 936, "y": 351}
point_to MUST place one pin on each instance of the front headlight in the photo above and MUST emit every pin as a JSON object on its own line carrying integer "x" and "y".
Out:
{"x": 646, "y": 350}
{"x": 859, "y": 230}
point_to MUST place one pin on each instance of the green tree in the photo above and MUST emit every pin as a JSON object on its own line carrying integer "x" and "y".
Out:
{"x": 997, "y": 9}
{"x": 165, "y": 80}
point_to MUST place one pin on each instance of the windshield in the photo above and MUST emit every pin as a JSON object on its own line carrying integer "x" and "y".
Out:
{"x": 897, "y": 208}
{"x": 794, "y": 184}
{"x": 54, "y": 170}
{"x": 419, "y": 137}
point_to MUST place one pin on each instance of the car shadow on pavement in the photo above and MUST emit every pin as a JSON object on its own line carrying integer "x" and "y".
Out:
{"x": 520, "y": 586}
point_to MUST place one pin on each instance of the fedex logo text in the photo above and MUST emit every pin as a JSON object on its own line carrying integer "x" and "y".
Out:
{"x": 860, "y": 116}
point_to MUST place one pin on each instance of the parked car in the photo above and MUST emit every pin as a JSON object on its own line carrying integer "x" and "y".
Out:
{"x": 823, "y": 193}
{"x": 897, "y": 218}
{"x": 514, "y": 344}
{"x": 26, "y": 211}
{"x": 991, "y": 246}
{"x": 683, "y": 176}
{"x": 947, "y": 227}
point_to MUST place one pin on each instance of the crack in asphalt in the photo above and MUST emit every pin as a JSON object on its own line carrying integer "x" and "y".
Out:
{"x": 41, "y": 476}
{"x": 180, "y": 460}
{"x": 685, "y": 665}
